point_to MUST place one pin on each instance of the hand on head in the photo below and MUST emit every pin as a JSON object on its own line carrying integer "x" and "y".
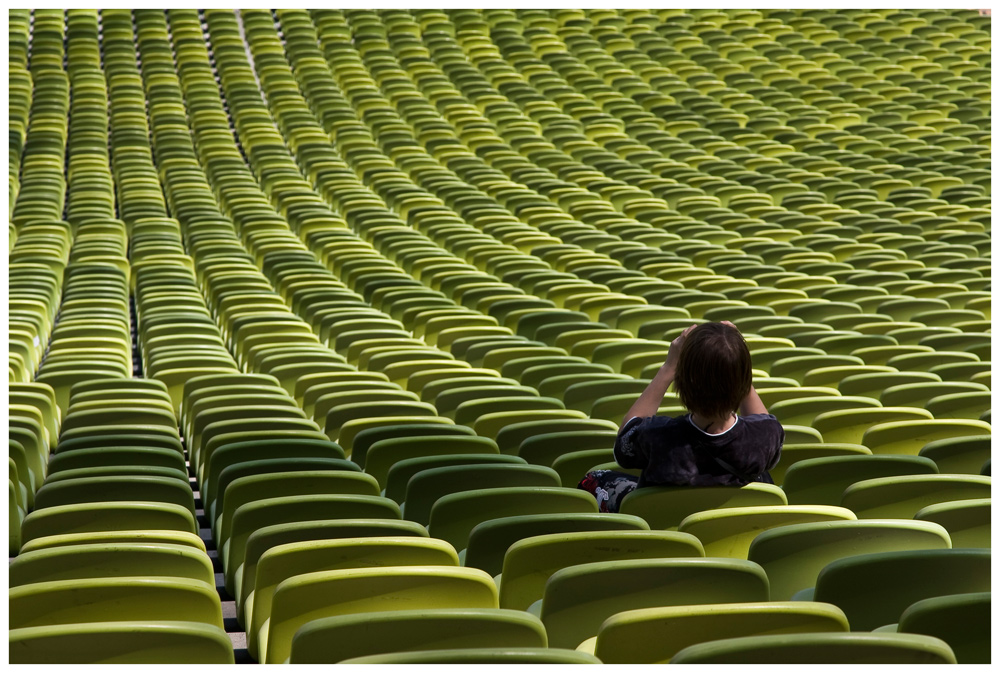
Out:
{"x": 675, "y": 349}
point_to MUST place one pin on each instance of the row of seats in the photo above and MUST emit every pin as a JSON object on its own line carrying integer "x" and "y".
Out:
{"x": 109, "y": 552}
{"x": 425, "y": 339}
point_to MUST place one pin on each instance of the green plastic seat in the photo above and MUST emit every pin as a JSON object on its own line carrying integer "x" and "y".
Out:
{"x": 333, "y": 639}
{"x": 287, "y": 561}
{"x": 289, "y": 509}
{"x": 901, "y": 497}
{"x": 820, "y": 648}
{"x": 304, "y": 598}
{"x": 402, "y": 471}
{"x": 530, "y": 561}
{"x": 655, "y": 635}
{"x": 578, "y": 599}
{"x": 107, "y": 516}
{"x": 821, "y": 481}
{"x": 728, "y": 532}
{"x": 959, "y": 455}
{"x": 546, "y": 448}
{"x": 664, "y": 507}
{"x": 910, "y": 438}
{"x": 385, "y": 453}
{"x": 88, "y": 561}
{"x": 114, "y": 599}
{"x": 268, "y": 537}
{"x": 480, "y": 655}
{"x": 453, "y": 517}
{"x": 117, "y": 642}
{"x": 367, "y": 438}
{"x": 967, "y": 521}
{"x": 851, "y": 425}
{"x": 803, "y": 411}
{"x": 424, "y": 488}
{"x": 235, "y": 454}
{"x": 961, "y": 620}
{"x": 510, "y": 438}
{"x": 874, "y": 589}
{"x": 252, "y": 488}
{"x": 794, "y": 555}
{"x": 68, "y": 492}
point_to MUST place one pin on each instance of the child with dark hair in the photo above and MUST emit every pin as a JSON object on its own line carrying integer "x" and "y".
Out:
{"x": 709, "y": 367}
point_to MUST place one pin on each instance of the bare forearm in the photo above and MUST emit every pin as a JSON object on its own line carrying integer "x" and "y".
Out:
{"x": 752, "y": 404}
{"x": 651, "y": 398}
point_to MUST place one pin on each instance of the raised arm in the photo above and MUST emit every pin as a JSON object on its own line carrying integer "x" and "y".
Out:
{"x": 650, "y": 399}
{"x": 752, "y": 404}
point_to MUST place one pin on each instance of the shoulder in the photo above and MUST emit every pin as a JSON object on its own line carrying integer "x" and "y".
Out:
{"x": 647, "y": 423}
{"x": 762, "y": 424}
{"x": 760, "y": 420}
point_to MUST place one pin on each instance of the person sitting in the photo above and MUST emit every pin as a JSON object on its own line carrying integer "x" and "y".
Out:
{"x": 710, "y": 369}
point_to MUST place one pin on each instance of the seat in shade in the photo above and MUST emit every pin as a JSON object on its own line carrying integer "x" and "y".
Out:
{"x": 481, "y": 655}
{"x": 873, "y": 590}
{"x": 961, "y": 620}
{"x": 334, "y": 639}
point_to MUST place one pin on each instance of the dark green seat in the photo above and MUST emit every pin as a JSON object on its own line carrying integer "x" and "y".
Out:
{"x": 873, "y": 590}
{"x": 402, "y": 471}
{"x": 821, "y": 481}
{"x": 424, "y": 488}
{"x": 961, "y": 620}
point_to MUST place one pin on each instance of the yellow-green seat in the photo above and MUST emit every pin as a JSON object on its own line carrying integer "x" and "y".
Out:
{"x": 821, "y": 481}
{"x": 910, "y": 437}
{"x": 287, "y": 561}
{"x": 111, "y": 559}
{"x": 269, "y": 537}
{"x": 480, "y": 655}
{"x": 851, "y": 425}
{"x": 114, "y": 599}
{"x": 333, "y": 639}
{"x": 578, "y": 599}
{"x": 728, "y": 532}
{"x": 305, "y": 598}
{"x": 794, "y": 555}
{"x": 802, "y": 411}
{"x": 664, "y": 507}
{"x": 531, "y": 560}
{"x": 901, "y": 497}
{"x": 967, "y": 521}
{"x": 289, "y": 509}
{"x": 820, "y": 648}
{"x": 118, "y": 642}
{"x": 655, "y": 635}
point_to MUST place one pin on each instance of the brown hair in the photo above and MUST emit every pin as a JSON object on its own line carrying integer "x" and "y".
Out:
{"x": 713, "y": 370}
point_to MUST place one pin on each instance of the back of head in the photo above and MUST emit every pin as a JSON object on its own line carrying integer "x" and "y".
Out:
{"x": 713, "y": 370}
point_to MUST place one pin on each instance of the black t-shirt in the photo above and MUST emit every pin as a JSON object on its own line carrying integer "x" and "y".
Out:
{"x": 672, "y": 451}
